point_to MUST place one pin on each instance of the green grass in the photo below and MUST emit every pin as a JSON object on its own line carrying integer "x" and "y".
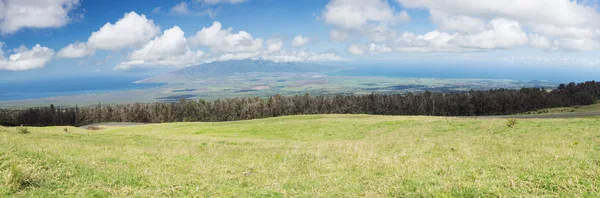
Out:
{"x": 308, "y": 156}
{"x": 575, "y": 109}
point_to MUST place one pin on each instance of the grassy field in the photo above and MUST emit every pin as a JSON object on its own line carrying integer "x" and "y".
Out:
{"x": 308, "y": 156}
{"x": 575, "y": 109}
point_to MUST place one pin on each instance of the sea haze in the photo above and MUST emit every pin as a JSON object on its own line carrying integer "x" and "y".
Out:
{"x": 21, "y": 90}
{"x": 512, "y": 72}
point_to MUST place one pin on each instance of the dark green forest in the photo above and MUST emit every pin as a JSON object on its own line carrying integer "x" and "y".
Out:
{"x": 472, "y": 103}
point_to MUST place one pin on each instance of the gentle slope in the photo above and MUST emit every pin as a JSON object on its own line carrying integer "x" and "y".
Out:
{"x": 332, "y": 156}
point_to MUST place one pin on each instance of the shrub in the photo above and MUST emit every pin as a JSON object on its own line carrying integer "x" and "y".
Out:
{"x": 23, "y": 130}
{"x": 17, "y": 179}
{"x": 511, "y": 122}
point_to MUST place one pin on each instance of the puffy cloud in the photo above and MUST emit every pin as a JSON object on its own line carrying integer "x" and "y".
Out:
{"x": 500, "y": 33}
{"x": 19, "y": 14}
{"x": 274, "y": 45}
{"x": 299, "y": 56}
{"x": 212, "y": 2}
{"x": 75, "y": 50}
{"x": 354, "y": 14}
{"x": 457, "y": 23}
{"x": 538, "y": 41}
{"x": 181, "y": 8}
{"x": 380, "y": 33}
{"x": 26, "y": 59}
{"x": 132, "y": 31}
{"x": 374, "y": 48}
{"x": 556, "y": 12}
{"x": 336, "y": 35}
{"x": 355, "y": 49}
{"x": 237, "y": 56}
{"x": 300, "y": 41}
{"x": 568, "y": 22}
{"x": 431, "y": 42}
{"x": 222, "y": 40}
{"x": 575, "y": 44}
{"x": 169, "y": 49}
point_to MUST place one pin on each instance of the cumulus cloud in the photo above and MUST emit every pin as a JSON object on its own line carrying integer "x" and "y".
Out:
{"x": 237, "y": 56}
{"x": 355, "y": 49}
{"x": 75, "y": 50}
{"x": 181, "y": 8}
{"x": 300, "y": 41}
{"x": 19, "y": 14}
{"x": 556, "y": 12}
{"x": 553, "y": 24}
{"x": 131, "y": 31}
{"x": 374, "y": 48}
{"x": 169, "y": 49}
{"x": 26, "y": 59}
{"x": 274, "y": 45}
{"x": 500, "y": 33}
{"x": 298, "y": 56}
{"x": 354, "y": 14}
{"x": 222, "y": 40}
{"x": 337, "y": 35}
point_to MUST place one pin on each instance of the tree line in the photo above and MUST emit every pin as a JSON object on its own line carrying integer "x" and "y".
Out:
{"x": 472, "y": 103}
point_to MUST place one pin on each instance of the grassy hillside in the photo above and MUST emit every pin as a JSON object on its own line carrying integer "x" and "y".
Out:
{"x": 330, "y": 156}
{"x": 575, "y": 109}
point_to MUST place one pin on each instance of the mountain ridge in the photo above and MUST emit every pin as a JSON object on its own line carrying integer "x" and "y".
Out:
{"x": 229, "y": 68}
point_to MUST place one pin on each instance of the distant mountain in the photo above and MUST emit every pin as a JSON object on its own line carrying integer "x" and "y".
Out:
{"x": 229, "y": 68}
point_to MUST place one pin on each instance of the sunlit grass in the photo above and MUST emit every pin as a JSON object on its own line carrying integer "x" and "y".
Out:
{"x": 575, "y": 109}
{"x": 332, "y": 156}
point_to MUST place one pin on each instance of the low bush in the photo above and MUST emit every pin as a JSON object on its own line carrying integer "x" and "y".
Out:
{"x": 511, "y": 122}
{"x": 16, "y": 179}
{"x": 23, "y": 130}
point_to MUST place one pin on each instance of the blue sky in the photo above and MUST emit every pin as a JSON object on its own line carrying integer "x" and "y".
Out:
{"x": 55, "y": 38}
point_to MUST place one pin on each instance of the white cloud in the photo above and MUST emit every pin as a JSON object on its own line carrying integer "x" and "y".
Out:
{"x": 26, "y": 59}
{"x": 299, "y": 56}
{"x": 181, "y": 8}
{"x": 573, "y": 25}
{"x": 131, "y": 31}
{"x": 212, "y": 2}
{"x": 76, "y": 50}
{"x": 457, "y": 23}
{"x": 555, "y": 12}
{"x": 336, "y": 35}
{"x": 300, "y": 41}
{"x": 19, "y": 14}
{"x": 222, "y": 40}
{"x": 185, "y": 9}
{"x": 380, "y": 33}
{"x": 237, "y": 56}
{"x": 431, "y": 42}
{"x": 499, "y": 33}
{"x": 274, "y": 45}
{"x": 169, "y": 49}
{"x": 354, "y": 14}
{"x": 540, "y": 42}
{"x": 355, "y": 49}
{"x": 374, "y": 48}
{"x": 575, "y": 44}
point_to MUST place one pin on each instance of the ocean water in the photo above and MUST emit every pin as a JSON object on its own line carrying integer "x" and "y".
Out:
{"x": 21, "y": 90}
